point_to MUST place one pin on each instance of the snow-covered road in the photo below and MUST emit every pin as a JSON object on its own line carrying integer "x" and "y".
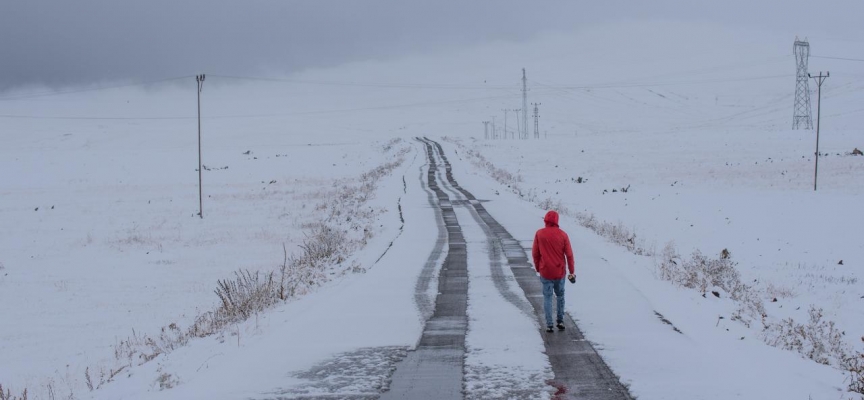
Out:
{"x": 498, "y": 350}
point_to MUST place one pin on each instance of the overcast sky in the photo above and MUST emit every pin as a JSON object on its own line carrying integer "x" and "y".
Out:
{"x": 75, "y": 42}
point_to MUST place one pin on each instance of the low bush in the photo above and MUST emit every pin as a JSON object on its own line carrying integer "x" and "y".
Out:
{"x": 817, "y": 339}
{"x": 617, "y": 233}
{"x": 854, "y": 364}
{"x": 703, "y": 273}
{"x": 6, "y": 394}
{"x": 246, "y": 294}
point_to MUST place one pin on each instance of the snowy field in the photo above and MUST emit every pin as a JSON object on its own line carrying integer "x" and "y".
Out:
{"x": 105, "y": 219}
{"x": 98, "y": 202}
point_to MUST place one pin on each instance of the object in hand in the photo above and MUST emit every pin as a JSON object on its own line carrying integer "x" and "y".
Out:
{"x": 571, "y": 278}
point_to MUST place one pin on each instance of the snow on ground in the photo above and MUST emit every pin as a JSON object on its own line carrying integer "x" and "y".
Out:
{"x": 341, "y": 339}
{"x": 107, "y": 221}
{"x": 787, "y": 239}
{"x": 698, "y": 129}
{"x": 616, "y": 300}
{"x": 504, "y": 353}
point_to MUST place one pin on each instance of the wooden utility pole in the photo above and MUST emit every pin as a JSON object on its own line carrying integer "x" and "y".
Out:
{"x": 200, "y": 80}
{"x": 819, "y": 79}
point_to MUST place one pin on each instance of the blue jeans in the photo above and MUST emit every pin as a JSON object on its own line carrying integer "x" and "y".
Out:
{"x": 548, "y": 287}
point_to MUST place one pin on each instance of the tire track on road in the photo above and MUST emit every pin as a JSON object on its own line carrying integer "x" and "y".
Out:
{"x": 436, "y": 368}
{"x": 580, "y": 372}
{"x": 500, "y": 279}
{"x": 424, "y": 300}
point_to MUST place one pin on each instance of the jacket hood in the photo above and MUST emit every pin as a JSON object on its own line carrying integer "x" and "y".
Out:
{"x": 551, "y": 218}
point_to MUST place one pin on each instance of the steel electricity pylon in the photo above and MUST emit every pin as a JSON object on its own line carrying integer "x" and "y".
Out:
{"x": 802, "y": 117}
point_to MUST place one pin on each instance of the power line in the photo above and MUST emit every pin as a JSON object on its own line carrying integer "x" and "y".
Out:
{"x": 840, "y": 58}
{"x": 387, "y": 107}
{"x": 708, "y": 70}
{"x": 56, "y": 93}
{"x": 370, "y": 84}
{"x": 695, "y": 82}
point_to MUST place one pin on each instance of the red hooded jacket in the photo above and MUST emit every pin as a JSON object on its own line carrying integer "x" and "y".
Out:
{"x": 551, "y": 246}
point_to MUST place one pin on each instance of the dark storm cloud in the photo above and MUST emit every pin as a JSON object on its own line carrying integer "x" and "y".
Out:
{"x": 70, "y": 42}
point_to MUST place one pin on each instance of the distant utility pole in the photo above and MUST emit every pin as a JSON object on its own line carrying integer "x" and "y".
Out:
{"x": 536, "y": 120}
{"x": 494, "y": 131}
{"x": 200, "y": 80}
{"x": 802, "y": 114}
{"x": 524, "y": 105}
{"x": 518, "y": 129}
{"x": 505, "y": 123}
{"x": 485, "y": 129}
{"x": 819, "y": 79}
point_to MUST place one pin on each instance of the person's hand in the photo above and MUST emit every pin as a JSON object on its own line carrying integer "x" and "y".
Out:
{"x": 571, "y": 278}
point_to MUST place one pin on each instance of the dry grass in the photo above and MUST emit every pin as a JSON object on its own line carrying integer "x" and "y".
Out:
{"x": 6, "y": 394}
{"x": 167, "y": 381}
{"x": 345, "y": 225}
{"x": 780, "y": 292}
{"x": 854, "y": 364}
{"x": 818, "y": 339}
{"x": 821, "y": 341}
{"x": 616, "y": 233}
{"x": 502, "y": 176}
{"x": 702, "y": 273}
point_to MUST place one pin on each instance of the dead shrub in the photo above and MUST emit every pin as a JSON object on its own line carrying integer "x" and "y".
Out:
{"x": 854, "y": 364}
{"x": 246, "y": 294}
{"x": 502, "y": 176}
{"x": 7, "y": 394}
{"x": 167, "y": 381}
{"x": 779, "y": 292}
{"x": 390, "y": 144}
{"x": 324, "y": 244}
{"x": 346, "y": 226}
{"x": 616, "y": 233}
{"x": 702, "y": 273}
{"x": 817, "y": 339}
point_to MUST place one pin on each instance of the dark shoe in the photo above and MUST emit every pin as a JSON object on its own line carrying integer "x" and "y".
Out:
{"x": 549, "y": 329}
{"x": 560, "y": 326}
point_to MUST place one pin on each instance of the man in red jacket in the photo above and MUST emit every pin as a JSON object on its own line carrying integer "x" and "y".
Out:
{"x": 550, "y": 251}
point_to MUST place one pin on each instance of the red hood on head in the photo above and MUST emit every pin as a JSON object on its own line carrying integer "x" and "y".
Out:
{"x": 551, "y": 218}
